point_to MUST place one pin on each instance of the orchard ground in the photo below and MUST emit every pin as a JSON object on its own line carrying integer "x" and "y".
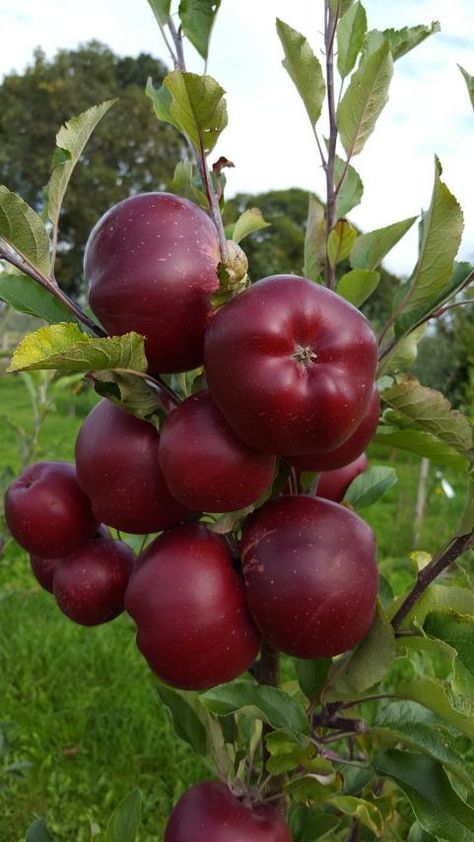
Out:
{"x": 78, "y": 705}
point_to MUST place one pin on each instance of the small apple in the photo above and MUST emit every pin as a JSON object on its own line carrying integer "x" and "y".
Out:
{"x": 89, "y": 585}
{"x": 47, "y": 512}
{"x": 117, "y": 466}
{"x": 205, "y": 465}
{"x": 310, "y": 575}
{"x": 209, "y": 812}
{"x": 188, "y": 602}
{"x": 151, "y": 262}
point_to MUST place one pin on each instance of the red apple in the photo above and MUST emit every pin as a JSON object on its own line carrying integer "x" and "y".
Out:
{"x": 44, "y": 569}
{"x": 193, "y": 624}
{"x": 333, "y": 485}
{"x": 89, "y": 585}
{"x": 117, "y": 466}
{"x": 209, "y": 812}
{"x": 291, "y": 366}
{"x": 350, "y": 450}
{"x": 310, "y": 575}
{"x": 205, "y": 465}
{"x": 152, "y": 264}
{"x": 47, "y": 512}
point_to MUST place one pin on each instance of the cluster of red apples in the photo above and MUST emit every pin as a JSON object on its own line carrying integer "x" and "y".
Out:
{"x": 290, "y": 370}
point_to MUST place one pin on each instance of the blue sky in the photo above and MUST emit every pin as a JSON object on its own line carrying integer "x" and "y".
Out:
{"x": 268, "y": 137}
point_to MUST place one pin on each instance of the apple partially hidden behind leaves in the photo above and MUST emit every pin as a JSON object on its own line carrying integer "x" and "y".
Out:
{"x": 209, "y": 812}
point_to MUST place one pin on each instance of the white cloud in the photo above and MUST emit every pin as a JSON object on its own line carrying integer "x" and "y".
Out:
{"x": 268, "y": 136}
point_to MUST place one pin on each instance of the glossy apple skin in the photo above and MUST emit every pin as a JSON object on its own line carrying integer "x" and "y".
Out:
{"x": 47, "y": 512}
{"x": 89, "y": 585}
{"x": 350, "y": 450}
{"x": 117, "y": 466}
{"x": 151, "y": 262}
{"x": 273, "y": 401}
{"x": 333, "y": 485}
{"x": 188, "y": 602}
{"x": 205, "y": 465}
{"x": 310, "y": 575}
{"x": 209, "y": 812}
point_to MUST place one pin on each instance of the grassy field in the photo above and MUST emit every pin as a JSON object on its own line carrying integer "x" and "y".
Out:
{"x": 78, "y": 706}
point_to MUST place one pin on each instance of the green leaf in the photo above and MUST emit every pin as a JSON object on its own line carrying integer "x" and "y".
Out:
{"x": 421, "y": 443}
{"x": 251, "y": 220}
{"x": 315, "y": 239}
{"x": 314, "y": 788}
{"x": 23, "y": 230}
{"x": 65, "y": 347}
{"x": 362, "y": 811}
{"x": 364, "y": 99}
{"x": 430, "y": 411}
{"x": 71, "y": 140}
{"x": 455, "y": 629}
{"x": 467, "y": 519}
{"x": 403, "y": 354}
{"x": 288, "y": 751}
{"x": 442, "y": 598}
{"x": 357, "y": 285}
{"x": 417, "y": 834}
{"x": 351, "y": 31}
{"x": 26, "y": 296}
{"x": 194, "y": 104}
{"x": 365, "y": 666}
{"x": 312, "y": 676}
{"x": 434, "y": 696}
{"x": 402, "y": 723}
{"x": 186, "y": 722}
{"x": 271, "y": 704}
{"x": 161, "y": 10}
{"x": 197, "y": 19}
{"x": 38, "y": 832}
{"x": 304, "y": 69}
{"x": 340, "y": 6}
{"x": 437, "y": 807}
{"x": 340, "y": 241}
{"x": 351, "y": 190}
{"x": 309, "y": 825}
{"x": 369, "y": 486}
{"x": 132, "y": 393}
{"x": 123, "y": 824}
{"x": 440, "y": 241}
{"x": 407, "y": 321}
{"x": 469, "y": 82}
{"x": 369, "y": 249}
{"x": 185, "y": 185}
{"x": 401, "y": 41}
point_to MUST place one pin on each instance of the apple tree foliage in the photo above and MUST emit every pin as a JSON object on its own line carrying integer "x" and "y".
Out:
{"x": 372, "y": 744}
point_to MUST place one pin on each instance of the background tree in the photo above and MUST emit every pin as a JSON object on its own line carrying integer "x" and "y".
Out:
{"x": 130, "y": 151}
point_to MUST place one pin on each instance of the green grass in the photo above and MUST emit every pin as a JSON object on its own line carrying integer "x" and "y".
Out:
{"x": 81, "y": 702}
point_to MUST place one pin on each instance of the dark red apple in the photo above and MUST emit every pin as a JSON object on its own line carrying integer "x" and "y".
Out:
{"x": 209, "y": 812}
{"x": 291, "y": 366}
{"x": 117, "y": 466}
{"x": 205, "y": 465}
{"x": 47, "y": 512}
{"x": 193, "y": 624}
{"x": 89, "y": 585}
{"x": 152, "y": 264}
{"x": 44, "y": 569}
{"x": 310, "y": 575}
{"x": 333, "y": 485}
{"x": 350, "y": 450}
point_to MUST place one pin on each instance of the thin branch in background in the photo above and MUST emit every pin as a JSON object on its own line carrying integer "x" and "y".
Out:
{"x": 27, "y": 268}
{"x": 455, "y": 548}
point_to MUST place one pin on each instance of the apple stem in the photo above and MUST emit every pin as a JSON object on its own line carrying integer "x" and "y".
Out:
{"x": 330, "y": 24}
{"x": 453, "y": 549}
